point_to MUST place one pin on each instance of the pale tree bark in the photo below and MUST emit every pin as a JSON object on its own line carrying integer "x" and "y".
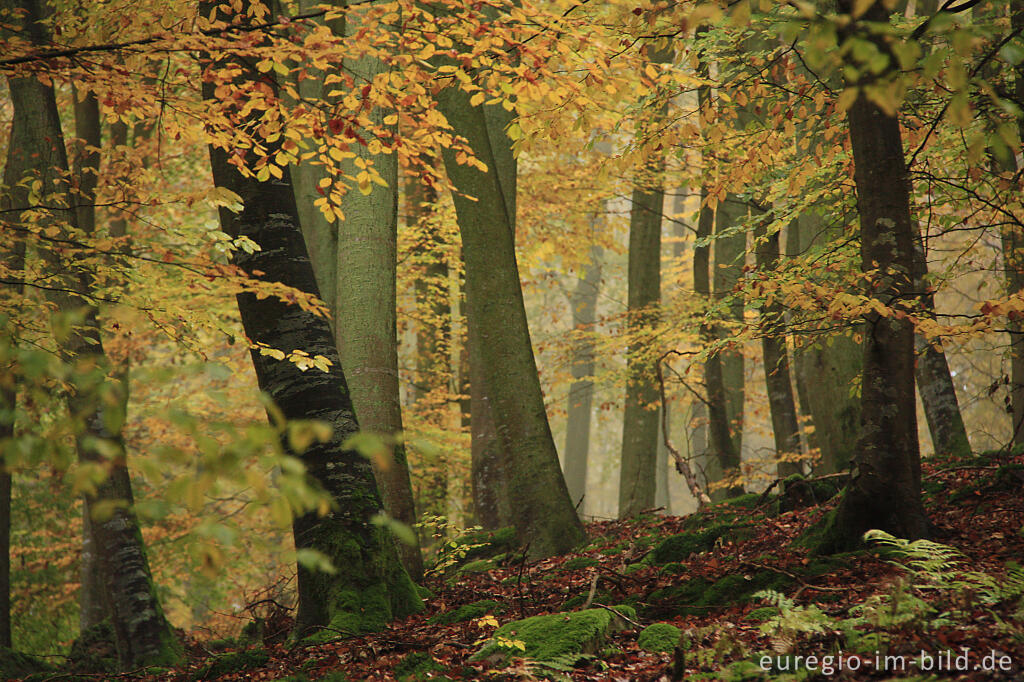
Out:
{"x": 884, "y": 491}
{"x": 637, "y": 474}
{"x": 781, "y": 404}
{"x": 583, "y": 304}
{"x": 365, "y": 326}
{"x": 370, "y": 586}
{"x": 355, "y": 263}
{"x": 542, "y": 512}
{"x": 142, "y": 634}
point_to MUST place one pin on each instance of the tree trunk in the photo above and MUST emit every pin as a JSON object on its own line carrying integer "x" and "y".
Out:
{"x": 723, "y": 454}
{"x": 640, "y": 420}
{"x": 885, "y": 487}
{"x": 825, "y": 372}
{"x": 934, "y": 383}
{"x": 781, "y": 404}
{"x": 365, "y": 327}
{"x": 583, "y": 303}
{"x": 92, "y": 608}
{"x": 1013, "y": 265}
{"x": 370, "y": 586}
{"x": 543, "y": 514}
{"x": 142, "y": 634}
{"x": 730, "y": 251}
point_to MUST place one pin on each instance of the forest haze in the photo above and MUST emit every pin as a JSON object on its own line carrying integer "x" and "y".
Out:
{"x": 317, "y": 318}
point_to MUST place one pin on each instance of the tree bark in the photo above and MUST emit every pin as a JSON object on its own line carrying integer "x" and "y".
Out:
{"x": 885, "y": 486}
{"x": 723, "y": 454}
{"x": 365, "y": 325}
{"x": 781, "y": 403}
{"x": 825, "y": 372}
{"x": 729, "y": 252}
{"x": 543, "y": 514}
{"x": 1013, "y": 265}
{"x": 583, "y": 304}
{"x": 370, "y": 586}
{"x": 142, "y": 634}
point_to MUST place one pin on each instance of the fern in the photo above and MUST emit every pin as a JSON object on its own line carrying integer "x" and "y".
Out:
{"x": 792, "y": 621}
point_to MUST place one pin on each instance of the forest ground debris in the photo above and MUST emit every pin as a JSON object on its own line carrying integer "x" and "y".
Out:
{"x": 869, "y": 599}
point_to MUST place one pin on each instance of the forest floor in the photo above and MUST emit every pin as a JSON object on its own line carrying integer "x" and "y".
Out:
{"x": 891, "y": 611}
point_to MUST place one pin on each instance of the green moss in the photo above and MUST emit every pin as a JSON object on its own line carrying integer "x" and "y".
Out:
{"x": 486, "y": 544}
{"x": 633, "y": 568}
{"x": 424, "y": 592}
{"x": 674, "y": 568}
{"x": 659, "y": 637}
{"x": 227, "y": 664}
{"x": 700, "y": 596}
{"x": 477, "y": 609}
{"x": 745, "y": 501}
{"x": 678, "y": 547}
{"x": 370, "y": 587}
{"x": 555, "y": 635}
{"x": 478, "y": 566}
{"x": 762, "y": 614}
{"x": 576, "y": 563}
{"x": 416, "y": 666}
{"x": 94, "y": 650}
{"x": 14, "y": 664}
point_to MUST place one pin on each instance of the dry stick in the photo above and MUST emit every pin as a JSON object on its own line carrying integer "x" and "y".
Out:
{"x": 682, "y": 465}
{"x": 593, "y": 590}
{"x": 803, "y": 583}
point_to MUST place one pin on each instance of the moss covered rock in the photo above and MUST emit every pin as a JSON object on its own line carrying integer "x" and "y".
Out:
{"x": 478, "y": 566}
{"x": 659, "y": 637}
{"x": 477, "y": 609}
{"x": 94, "y": 650}
{"x": 675, "y": 548}
{"x": 554, "y": 636}
{"x": 235, "y": 662}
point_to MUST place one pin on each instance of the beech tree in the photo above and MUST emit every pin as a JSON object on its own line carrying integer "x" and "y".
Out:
{"x": 38, "y": 155}
{"x": 368, "y": 585}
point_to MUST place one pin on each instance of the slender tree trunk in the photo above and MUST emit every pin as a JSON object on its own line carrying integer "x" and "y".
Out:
{"x": 781, "y": 403}
{"x": 6, "y": 432}
{"x": 934, "y": 383}
{"x": 637, "y": 477}
{"x": 885, "y": 488}
{"x": 142, "y": 634}
{"x": 365, "y": 325}
{"x": 1013, "y": 264}
{"x": 730, "y": 251}
{"x": 583, "y": 303}
{"x": 826, "y": 370}
{"x": 92, "y": 608}
{"x": 543, "y": 514}
{"x": 370, "y": 586}
{"x": 723, "y": 454}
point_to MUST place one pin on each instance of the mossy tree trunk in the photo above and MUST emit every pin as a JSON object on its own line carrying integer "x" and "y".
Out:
{"x": 583, "y": 305}
{"x": 142, "y": 634}
{"x": 370, "y": 587}
{"x": 541, "y": 509}
{"x": 781, "y": 403}
{"x": 885, "y": 487}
